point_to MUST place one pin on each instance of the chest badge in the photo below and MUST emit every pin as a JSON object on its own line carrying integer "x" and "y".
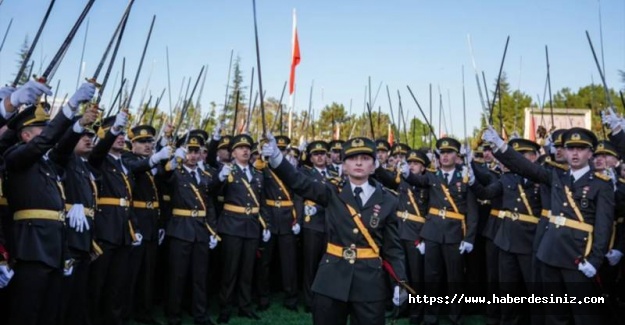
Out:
{"x": 375, "y": 219}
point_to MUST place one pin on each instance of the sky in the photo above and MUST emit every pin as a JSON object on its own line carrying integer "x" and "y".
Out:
{"x": 342, "y": 43}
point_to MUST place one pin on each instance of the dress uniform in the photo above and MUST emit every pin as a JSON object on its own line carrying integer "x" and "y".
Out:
{"x": 451, "y": 221}
{"x": 336, "y": 147}
{"x": 190, "y": 231}
{"x": 362, "y": 230}
{"x": 577, "y": 236}
{"x": 81, "y": 192}
{"x": 239, "y": 226}
{"x": 313, "y": 222}
{"x": 519, "y": 215}
{"x": 383, "y": 149}
{"x": 146, "y": 207}
{"x": 400, "y": 150}
{"x": 115, "y": 225}
{"x": 282, "y": 221}
{"x": 413, "y": 206}
{"x": 36, "y": 197}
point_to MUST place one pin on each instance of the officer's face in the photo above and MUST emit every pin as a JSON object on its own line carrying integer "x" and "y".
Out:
{"x": 335, "y": 155}
{"x": 560, "y": 154}
{"x": 611, "y": 161}
{"x": 28, "y": 133}
{"x": 530, "y": 155}
{"x": 119, "y": 143}
{"x": 488, "y": 155}
{"x": 359, "y": 167}
{"x": 143, "y": 147}
{"x": 382, "y": 156}
{"x": 193, "y": 156}
{"x": 448, "y": 158}
{"x": 241, "y": 154}
{"x": 203, "y": 153}
{"x": 578, "y": 157}
{"x": 84, "y": 145}
{"x": 318, "y": 159}
{"x": 600, "y": 162}
{"x": 223, "y": 155}
{"x": 391, "y": 161}
{"x": 416, "y": 167}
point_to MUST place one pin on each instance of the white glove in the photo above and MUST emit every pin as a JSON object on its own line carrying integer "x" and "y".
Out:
{"x": 296, "y": 228}
{"x": 139, "y": 238}
{"x": 181, "y": 153}
{"x": 310, "y": 210}
{"x": 405, "y": 169}
{"x": 28, "y": 93}
{"x": 587, "y": 268}
{"x": 224, "y": 172}
{"x": 82, "y": 95}
{"x": 465, "y": 247}
{"x": 217, "y": 132}
{"x": 614, "y": 256}
{"x": 491, "y": 136}
{"x": 270, "y": 149}
{"x": 610, "y": 119}
{"x": 266, "y": 235}
{"x": 121, "y": 119}
{"x": 399, "y": 296}
{"x": 77, "y": 219}
{"x": 161, "y": 236}
{"x": 161, "y": 155}
{"x": 213, "y": 242}
{"x": 303, "y": 145}
{"x": 68, "y": 268}
{"x": 5, "y": 275}
{"x": 467, "y": 171}
{"x": 291, "y": 160}
{"x": 421, "y": 248}
{"x": 6, "y": 91}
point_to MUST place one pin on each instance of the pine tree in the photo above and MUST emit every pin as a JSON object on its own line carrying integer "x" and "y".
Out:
{"x": 23, "y": 52}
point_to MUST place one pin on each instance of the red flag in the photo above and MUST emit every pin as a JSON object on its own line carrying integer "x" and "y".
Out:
{"x": 295, "y": 55}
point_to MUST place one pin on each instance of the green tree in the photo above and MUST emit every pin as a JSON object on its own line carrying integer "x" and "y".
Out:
{"x": 23, "y": 52}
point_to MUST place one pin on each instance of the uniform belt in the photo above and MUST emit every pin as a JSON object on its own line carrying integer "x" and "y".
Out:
{"x": 518, "y": 216}
{"x": 166, "y": 198}
{"x": 145, "y": 205}
{"x": 405, "y": 215}
{"x": 237, "y": 209}
{"x": 189, "y": 213}
{"x": 89, "y": 212}
{"x": 563, "y": 221}
{"x": 39, "y": 214}
{"x": 545, "y": 213}
{"x": 495, "y": 213}
{"x": 279, "y": 204}
{"x": 351, "y": 253}
{"x": 120, "y": 202}
{"x": 446, "y": 214}
{"x": 3, "y": 201}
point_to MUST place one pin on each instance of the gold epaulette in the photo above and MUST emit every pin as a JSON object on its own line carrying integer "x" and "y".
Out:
{"x": 557, "y": 165}
{"x": 335, "y": 180}
{"x": 207, "y": 174}
{"x": 479, "y": 160}
{"x": 603, "y": 176}
{"x": 391, "y": 191}
{"x": 621, "y": 180}
{"x": 431, "y": 170}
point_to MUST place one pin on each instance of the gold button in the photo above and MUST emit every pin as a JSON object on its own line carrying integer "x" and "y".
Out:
{"x": 355, "y": 230}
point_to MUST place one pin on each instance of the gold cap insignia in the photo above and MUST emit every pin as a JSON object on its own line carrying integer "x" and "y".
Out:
{"x": 244, "y": 140}
{"x": 319, "y": 146}
{"x": 600, "y": 146}
{"x": 226, "y": 140}
{"x": 281, "y": 141}
{"x": 575, "y": 137}
{"x": 193, "y": 141}
{"x": 358, "y": 143}
{"x": 445, "y": 143}
{"x": 515, "y": 145}
{"x": 143, "y": 132}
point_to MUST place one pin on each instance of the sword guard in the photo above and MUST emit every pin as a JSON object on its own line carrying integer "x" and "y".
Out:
{"x": 93, "y": 81}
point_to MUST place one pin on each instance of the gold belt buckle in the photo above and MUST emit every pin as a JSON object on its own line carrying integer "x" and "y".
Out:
{"x": 123, "y": 202}
{"x": 404, "y": 215}
{"x": 90, "y": 212}
{"x": 278, "y": 204}
{"x": 248, "y": 210}
{"x": 559, "y": 221}
{"x": 442, "y": 213}
{"x": 194, "y": 213}
{"x": 514, "y": 216}
{"x": 349, "y": 254}
{"x": 61, "y": 215}
{"x": 149, "y": 205}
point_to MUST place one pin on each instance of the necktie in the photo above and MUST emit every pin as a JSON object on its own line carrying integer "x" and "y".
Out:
{"x": 572, "y": 179}
{"x": 246, "y": 174}
{"x": 194, "y": 178}
{"x": 446, "y": 177}
{"x": 357, "y": 192}
{"x": 323, "y": 173}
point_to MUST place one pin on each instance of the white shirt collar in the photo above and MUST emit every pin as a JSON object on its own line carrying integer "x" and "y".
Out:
{"x": 367, "y": 191}
{"x": 580, "y": 172}
{"x": 325, "y": 170}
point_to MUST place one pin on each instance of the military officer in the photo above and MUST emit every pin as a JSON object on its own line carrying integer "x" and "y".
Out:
{"x": 361, "y": 227}
{"x": 450, "y": 227}
{"x": 577, "y": 236}
{"x": 336, "y": 146}
{"x": 36, "y": 197}
{"x": 382, "y": 150}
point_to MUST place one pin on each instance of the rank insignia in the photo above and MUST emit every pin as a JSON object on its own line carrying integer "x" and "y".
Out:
{"x": 584, "y": 203}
